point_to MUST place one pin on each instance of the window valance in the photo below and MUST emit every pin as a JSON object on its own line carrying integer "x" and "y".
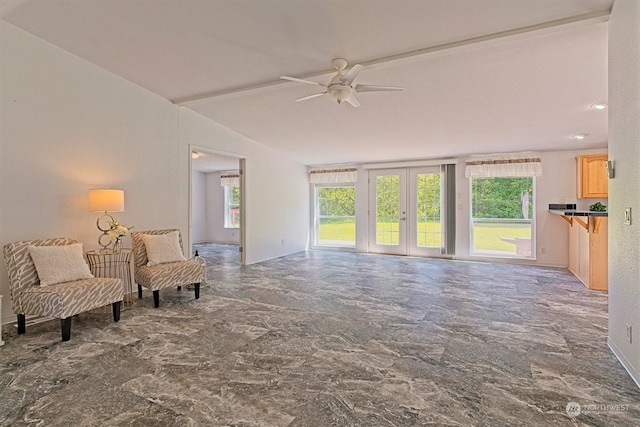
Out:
{"x": 230, "y": 179}
{"x": 512, "y": 165}
{"x": 333, "y": 176}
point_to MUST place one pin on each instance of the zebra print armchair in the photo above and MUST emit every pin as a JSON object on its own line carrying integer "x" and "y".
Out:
{"x": 169, "y": 271}
{"x": 62, "y": 300}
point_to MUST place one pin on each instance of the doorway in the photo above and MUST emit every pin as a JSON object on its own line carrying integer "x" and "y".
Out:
{"x": 405, "y": 211}
{"x": 217, "y": 199}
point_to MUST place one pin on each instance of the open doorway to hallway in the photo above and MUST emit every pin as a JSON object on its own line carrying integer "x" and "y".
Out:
{"x": 216, "y": 200}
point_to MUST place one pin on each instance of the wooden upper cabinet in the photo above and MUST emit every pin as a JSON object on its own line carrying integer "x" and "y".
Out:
{"x": 592, "y": 176}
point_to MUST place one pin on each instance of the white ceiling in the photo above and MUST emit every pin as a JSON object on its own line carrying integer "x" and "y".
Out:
{"x": 479, "y": 76}
{"x": 211, "y": 162}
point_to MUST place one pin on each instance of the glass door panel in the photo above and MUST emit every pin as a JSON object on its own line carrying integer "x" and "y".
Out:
{"x": 387, "y": 211}
{"x": 405, "y": 207}
{"x": 426, "y": 200}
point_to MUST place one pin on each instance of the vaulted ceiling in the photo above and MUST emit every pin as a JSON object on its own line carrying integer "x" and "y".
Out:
{"x": 479, "y": 76}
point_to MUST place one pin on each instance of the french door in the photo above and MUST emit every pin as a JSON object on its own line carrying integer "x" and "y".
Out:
{"x": 405, "y": 208}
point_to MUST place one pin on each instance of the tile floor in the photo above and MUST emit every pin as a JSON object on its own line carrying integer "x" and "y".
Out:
{"x": 330, "y": 339}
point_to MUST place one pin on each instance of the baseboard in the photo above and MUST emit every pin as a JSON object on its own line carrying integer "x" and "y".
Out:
{"x": 218, "y": 242}
{"x": 276, "y": 257}
{"x": 635, "y": 375}
{"x": 506, "y": 260}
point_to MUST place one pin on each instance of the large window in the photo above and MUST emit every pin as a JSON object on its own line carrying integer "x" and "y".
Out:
{"x": 335, "y": 215}
{"x": 231, "y": 207}
{"x": 502, "y": 217}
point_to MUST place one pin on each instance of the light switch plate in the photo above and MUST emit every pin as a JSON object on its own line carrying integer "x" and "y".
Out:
{"x": 627, "y": 216}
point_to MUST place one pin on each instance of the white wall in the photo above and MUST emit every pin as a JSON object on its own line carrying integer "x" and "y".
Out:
{"x": 207, "y": 214}
{"x": 624, "y": 189}
{"x": 68, "y": 126}
{"x": 216, "y": 232}
{"x": 199, "y": 207}
{"x": 277, "y": 196}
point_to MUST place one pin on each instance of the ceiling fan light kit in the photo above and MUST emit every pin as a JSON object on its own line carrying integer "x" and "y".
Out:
{"x": 340, "y": 87}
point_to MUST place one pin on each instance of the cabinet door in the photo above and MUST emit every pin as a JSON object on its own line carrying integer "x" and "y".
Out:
{"x": 598, "y": 256}
{"x": 592, "y": 176}
{"x": 584, "y": 255}
{"x": 574, "y": 249}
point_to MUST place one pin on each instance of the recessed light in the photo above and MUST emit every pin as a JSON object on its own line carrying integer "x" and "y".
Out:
{"x": 579, "y": 136}
{"x": 600, "y": 106}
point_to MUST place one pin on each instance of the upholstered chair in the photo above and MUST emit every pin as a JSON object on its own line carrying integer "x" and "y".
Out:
{"x": 159, "y": 263}
{"x": 50, "y": 277}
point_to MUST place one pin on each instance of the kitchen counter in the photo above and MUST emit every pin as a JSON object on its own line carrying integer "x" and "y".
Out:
{"x": 570, "y": 210}
{"x": 570, "y": 214}
{"x": 588, "y": 244}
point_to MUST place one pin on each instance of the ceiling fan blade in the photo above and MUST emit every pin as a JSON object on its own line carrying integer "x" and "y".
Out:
{"x": 311, "y": 96}
{"x": 353, "y": 100}
{"x": 351, "y": 75}
{"x": 371, "y": 88}
{"x": 294, "y": 79}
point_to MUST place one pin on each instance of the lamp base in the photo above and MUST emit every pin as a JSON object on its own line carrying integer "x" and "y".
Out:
{"x": 104, "y": 236}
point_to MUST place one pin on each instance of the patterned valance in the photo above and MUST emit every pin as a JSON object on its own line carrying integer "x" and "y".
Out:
{"x": 333, "y": 176}
{"x": 230, "y": 179}
{"x": 513, "y": 165}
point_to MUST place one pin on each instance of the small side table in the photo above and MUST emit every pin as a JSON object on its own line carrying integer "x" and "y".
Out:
{"x": 113, "y": 264}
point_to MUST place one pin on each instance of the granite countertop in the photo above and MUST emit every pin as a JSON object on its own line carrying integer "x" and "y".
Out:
{"x": 570, "y": 210}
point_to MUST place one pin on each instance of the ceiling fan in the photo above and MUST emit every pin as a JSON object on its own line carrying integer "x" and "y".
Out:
{"x": 341, "y": 87}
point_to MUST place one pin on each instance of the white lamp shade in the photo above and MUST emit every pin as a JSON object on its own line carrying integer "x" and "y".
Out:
{"x": 106, "y": 200}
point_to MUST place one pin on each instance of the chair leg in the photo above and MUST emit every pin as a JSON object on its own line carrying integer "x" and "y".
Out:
{"x": 139, "y": 291}
{"x": 179, "y": 288}
{"x": 22, "y": 324}
{"x": 66, "y": 328}
{"x": 116, "y": 310}
{"x": 196, "y": 286}
{"x": 156, "y": 299}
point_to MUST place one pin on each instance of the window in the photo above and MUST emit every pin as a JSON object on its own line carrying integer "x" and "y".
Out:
{"x": 231, "y": 207}
{"x": 502, "y": 217}
{"x": 335, "y": 215}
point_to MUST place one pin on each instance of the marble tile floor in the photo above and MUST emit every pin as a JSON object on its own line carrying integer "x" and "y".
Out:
{"x": 330, "y": 339}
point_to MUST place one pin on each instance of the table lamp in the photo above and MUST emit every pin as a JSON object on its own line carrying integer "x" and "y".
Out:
{"x": 105, "y": 200}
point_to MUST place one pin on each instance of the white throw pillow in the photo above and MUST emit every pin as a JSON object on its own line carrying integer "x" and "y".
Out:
{"x": 162, "y": 248}
{"x": 58, "y": 264}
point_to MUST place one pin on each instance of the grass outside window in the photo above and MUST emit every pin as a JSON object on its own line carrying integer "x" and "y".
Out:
{"x": 485, "y": 236}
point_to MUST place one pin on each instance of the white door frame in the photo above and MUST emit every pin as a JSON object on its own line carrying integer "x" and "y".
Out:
{"x": 242, "y": 169}
{"x": 407, "y": 220}
{"x": 400, "y": 221}
{"x": 412, "y": 218}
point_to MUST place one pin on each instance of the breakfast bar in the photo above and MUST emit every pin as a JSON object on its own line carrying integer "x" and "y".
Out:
{"x": 588, "y": 244}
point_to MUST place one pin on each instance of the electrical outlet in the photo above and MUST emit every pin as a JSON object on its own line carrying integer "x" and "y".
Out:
{"x": 562, "y": 199}
{"x": 627, "y": 216}
{"x": 543, "y": 251}
{"x": 629, "y": 334}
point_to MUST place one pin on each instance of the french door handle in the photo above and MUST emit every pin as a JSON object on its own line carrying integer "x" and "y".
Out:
{"x": 403, "y": 219}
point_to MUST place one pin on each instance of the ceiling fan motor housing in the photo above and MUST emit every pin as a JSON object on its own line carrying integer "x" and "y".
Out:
{"x": 339, "y": 92}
